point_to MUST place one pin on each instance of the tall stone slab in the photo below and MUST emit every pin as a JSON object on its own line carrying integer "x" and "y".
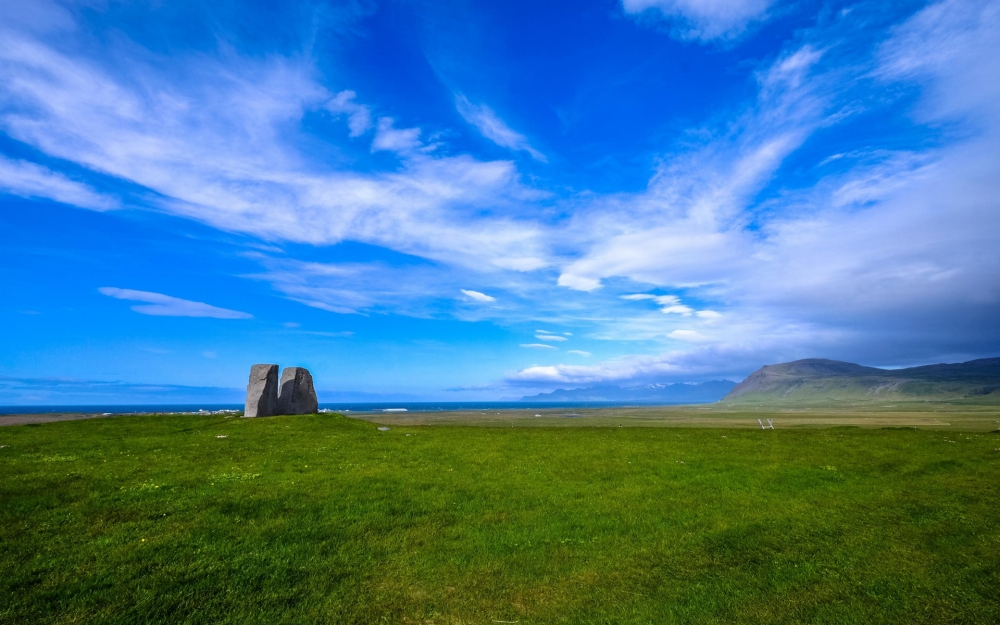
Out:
{"x": 262, "y": 391}
{"x": 297, "y": 395}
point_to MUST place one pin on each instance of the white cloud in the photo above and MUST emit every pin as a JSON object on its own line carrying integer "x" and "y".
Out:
{"x": 705, "y": 19}
{"x": 537, "y": 346}
{"x": 163, "y": 305}
{"x": 359, "y": 118}
{"x": 493, "y": 128}
{"x": 663, "y": 300}
{"x": 539, "y": 374}
{"x": 292, "y": 324}
{"x": 692, "y": 363}
{"x": 34, "y": 181}
{"x": 688, "y": 335}
{"x": 578, "y": 282}
{"x": 216, "y": 141}
{"x": 627, "y": 368}
{"x": 670, "y": 303}
{"x": 688, "y": 228}
{"x": 708, "y": 314}
{"x": 550, "y": 337}
{"x": 400, "y": 140}
{"x": 477, "y": 296}
{"x": 579, "y": 352}
{"x": 677, "y": 309}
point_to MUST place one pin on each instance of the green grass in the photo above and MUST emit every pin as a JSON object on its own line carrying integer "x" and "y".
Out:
{"x": 327, "y": 520}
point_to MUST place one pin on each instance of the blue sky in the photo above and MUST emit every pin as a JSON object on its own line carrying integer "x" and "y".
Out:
{"x": 477, "y": 200}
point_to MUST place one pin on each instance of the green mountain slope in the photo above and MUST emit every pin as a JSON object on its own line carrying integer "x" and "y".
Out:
{"x": 816, "y": 379}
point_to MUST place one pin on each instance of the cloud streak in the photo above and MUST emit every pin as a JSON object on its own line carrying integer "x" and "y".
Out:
{"x": 160, "y": 305}
{"x": 478, "y": 297}
{"x": 29, "y": 180}
{"x": 493, "y": 128}
{"x": 554, "y": 338}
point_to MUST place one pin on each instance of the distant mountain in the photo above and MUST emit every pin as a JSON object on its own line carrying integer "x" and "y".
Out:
{"x": 816, "y": 379}
{"x": 679, "y": 393}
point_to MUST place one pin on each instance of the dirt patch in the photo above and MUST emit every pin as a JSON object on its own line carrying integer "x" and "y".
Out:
{"x": 31, "y": 419}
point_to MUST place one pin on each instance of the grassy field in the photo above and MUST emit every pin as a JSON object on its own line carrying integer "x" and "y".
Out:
{"x": 946, "y": 416}
{"x": 324, "y": 519}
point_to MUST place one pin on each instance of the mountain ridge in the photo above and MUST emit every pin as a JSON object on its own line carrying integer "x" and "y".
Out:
{"x": 814, "y": 379}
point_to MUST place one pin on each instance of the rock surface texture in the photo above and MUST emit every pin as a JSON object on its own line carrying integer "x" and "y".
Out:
{"x": 297, "y": 395}
{"x": 262, "y": 391}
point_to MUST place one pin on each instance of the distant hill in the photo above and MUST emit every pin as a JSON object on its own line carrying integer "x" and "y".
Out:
{"x": 816, "y": 379}
{"x": 679, "y": 393}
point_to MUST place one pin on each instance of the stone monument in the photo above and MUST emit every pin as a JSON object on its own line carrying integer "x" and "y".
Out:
{"x": 296, "y": 394}
{"x": 262, "y": 391}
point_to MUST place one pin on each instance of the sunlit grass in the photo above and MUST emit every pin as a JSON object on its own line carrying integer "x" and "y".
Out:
{"x": 325, "y": 519}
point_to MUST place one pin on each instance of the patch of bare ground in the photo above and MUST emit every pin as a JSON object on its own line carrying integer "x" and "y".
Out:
{"x": 921, "y": 415}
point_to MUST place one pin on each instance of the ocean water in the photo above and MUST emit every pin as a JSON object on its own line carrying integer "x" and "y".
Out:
{"x": 348, "y": 407}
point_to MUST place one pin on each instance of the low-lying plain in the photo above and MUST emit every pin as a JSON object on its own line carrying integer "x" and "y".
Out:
{"x": 326, "y": 519}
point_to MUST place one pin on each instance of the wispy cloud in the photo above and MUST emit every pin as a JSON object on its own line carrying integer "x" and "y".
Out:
{"x": 165, "y": 306}
{"x": 238, "y": 167}
{"x": 705, "y": 19}
{"x": 677, "y": 309}
{"x": 401, "y": 140}
{"x": 663, "y": 300}
{"x": 477, "y": 296}
{"x": 493, "y": 128}
{"x": 688, "y": 228}
{"x": 550, "y": 337}
{"x": 579, "y": 352}
{"x": 417, "y": 289}
{"x": 537, "y": 346}
{"x": 679, "y": 365}
{"x": 30, "y": 180}
{"x": 359, "y": 118}
{"x": 670, "y": 303}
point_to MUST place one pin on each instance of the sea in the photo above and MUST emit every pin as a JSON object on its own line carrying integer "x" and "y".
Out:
{"x": 346, "y": 407}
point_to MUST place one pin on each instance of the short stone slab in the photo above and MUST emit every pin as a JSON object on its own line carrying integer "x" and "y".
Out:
{"x": 296, "y": 394}
{"x": 262, "y": 391}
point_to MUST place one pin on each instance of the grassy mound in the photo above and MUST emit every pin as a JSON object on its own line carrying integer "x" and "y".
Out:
{"x": 188, "y": 519}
